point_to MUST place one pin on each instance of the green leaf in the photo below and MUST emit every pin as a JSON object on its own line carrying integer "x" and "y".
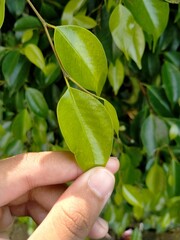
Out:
{"x": 159, "y": 101}
{"x": 21, "y": 124}
{"x": 154, "y": 133}
{"x": 175, "y": 166}
{"x": 37, "y": 102}
{"x": 70, "y": 10}
{"x": 156, "y": 179}
{"x": 173, "y": 1}
{"x": 116, "y": 75}
{"x": 82, "y": 56}
{"x": 15, "y": 69}
{"x": 152, "y": 16}
{"x": 113, "y": 115}
{"x": 84, "y": 21}
{"x": 34, "y": 54}
{"x": 27, "y": 22}
{"x": 2, "y": 12}
{"x": 127, "y": 34}
{"x": 86, "y": 127}
{"x": 171, "y": 80}
{"x": 16, "y": 7}
{"x": 136, "y": 235}
{"x": 135, "y": 196}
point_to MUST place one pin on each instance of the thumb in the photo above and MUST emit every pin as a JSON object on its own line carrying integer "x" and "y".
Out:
{"x": 74, "y": 214}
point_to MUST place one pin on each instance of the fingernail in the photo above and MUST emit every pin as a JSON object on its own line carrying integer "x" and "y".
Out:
{"x": 101, "y": 182}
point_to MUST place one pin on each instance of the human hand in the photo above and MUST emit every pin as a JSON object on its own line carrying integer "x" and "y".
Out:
{"x": 34, "y": 184}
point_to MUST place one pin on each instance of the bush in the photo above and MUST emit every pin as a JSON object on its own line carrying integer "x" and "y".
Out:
{"x": 141, "y": 40}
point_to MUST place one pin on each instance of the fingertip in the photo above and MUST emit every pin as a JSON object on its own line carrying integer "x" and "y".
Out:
{"x": 113, "y": 165}
{"x": 99, "y": 230}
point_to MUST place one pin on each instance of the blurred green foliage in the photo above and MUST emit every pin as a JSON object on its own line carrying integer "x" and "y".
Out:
{"x": 141, "y": 40}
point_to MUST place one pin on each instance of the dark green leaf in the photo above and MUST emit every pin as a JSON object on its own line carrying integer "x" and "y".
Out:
{"x": 28, "y": 22}
{"x": 15, "y": 68}
{"x": 37, "y": 102}
{"x": 159, "y": 101}
{"x": 16, "y": 7}
{"x": 86, "y": 127}
{"x": 171, "y": 80}
{"x": 154, "y": 134}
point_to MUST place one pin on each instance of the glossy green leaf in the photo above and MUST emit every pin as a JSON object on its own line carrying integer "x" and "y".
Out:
{"x": 113, "y": 115}
{"x": 173, "y": 57}
{"x": 152, "y": 15}
{"x": 159, "y": 101}
{"x": 127, "y": 34}
{"x": 21, "y": 124}
{"x": 15, "y": 68}
{"x": 16, "y": 7}
{"x": 171, "y": 81}
{"x": 84, "y": 21}
{"x": 173, "y": 1}
{"x": 86, "y": 127}
{"x": 154, "y": 133}
{"x": 87, "y": 64}
{"x": 2, "y": 12}
{"x": 27, "y": 22}
{"x": 34, "y": 54}
{"x": 116, "y": 75}
{"x": 156, "y": 179}
{"x": 39, "y": 130}
{"x": 136, "y": 196}
{"x": 70, "y": 10}
{"x": 51, "y": 71}
{"x": 27, "y": 35}
{"x": 37, "y": 102}
{"x": 136, "y": 235}
{"x": 175, "y": 166}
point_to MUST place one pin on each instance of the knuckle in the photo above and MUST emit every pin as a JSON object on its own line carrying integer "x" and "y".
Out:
{"x": 75, "y": 222}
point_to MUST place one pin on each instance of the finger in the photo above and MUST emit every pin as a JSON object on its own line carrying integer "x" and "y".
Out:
{"x": 74, "y": 214}
{"x": 99, "y": 229}
{"x": 6, "y": 218}
{"x": 31, "y": 209}
{"x": 45, "y": 196}
{"x": 113, "y": 165}
{"x": 24, "y": 172}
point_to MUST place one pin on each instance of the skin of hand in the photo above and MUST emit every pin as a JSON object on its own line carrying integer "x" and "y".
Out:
{"x": 35, "y": 185}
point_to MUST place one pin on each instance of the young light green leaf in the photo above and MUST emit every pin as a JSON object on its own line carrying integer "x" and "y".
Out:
{"x": 156, "y": 179}
{"x": 116, "y": 75}
{"x": 70, "y": 10}
{"x": 113, "y": 115}
{"x": 84, "y": 21}
{"x": 151, "y": 15}
{"x": 132, "y": 195}
{"x": 127, "y": 34}
{"x": 37, "y": 102}
{"x": 154, "y": 133}
{"x": 86, "y": 127}
{"x": 87, "y": 64}
{"x": 2, "y": 12}
{"x": 21, "y": 124}
{"x": 34, "y": 54}
{"x": 171, "y": 80}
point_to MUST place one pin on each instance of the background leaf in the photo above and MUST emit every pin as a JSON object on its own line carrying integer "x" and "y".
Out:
{"x": 151, "y": 15}
{"x": 37, "y": 102}
{"x": 127, "y": 34}
{"x": 154, "y": 133}
{"x": 88, "y": 64}
{"x": 2, "y": 12}
{"x": 171, "y": 80}
{"x": 86, "y": 127}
